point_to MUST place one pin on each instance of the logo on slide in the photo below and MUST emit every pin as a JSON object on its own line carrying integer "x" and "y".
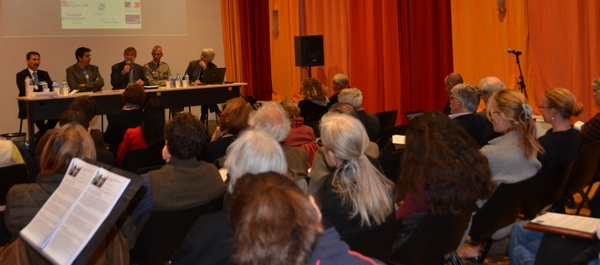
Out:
{"x": 101, "y": 7}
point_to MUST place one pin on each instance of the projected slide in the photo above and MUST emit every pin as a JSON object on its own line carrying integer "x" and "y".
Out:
{"x": 108, "y": 14}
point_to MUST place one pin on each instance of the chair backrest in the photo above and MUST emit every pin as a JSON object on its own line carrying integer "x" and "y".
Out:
{"x": 164, "y": 232}
{"x": 584, "y": 168}
{"x": 435, "y": 237}
{"x": 142, "y": 158}
{"x": 547, "y": 189}
{"x": 391, "y": 164}
{"x": 386, "y": 135}
{"x": 387, "y": 119}
{"x": 500, "y": 210}
{"x": 10, "y": 176}
{"x": 375, "y": 243}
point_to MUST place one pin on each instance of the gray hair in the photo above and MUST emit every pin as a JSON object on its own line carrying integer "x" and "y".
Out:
{"x": 353, "y": 96}
{"x": 272, "y": 119}
{"x": 468, "y": 95}
{"x": 254, "y": 152}
{"x": 156, "y": 47}
{"x": 596, "y": 82}
{"x": 209, "y": 52}
{"x": 491, "y": 84}
{"x": 341, "y": 79}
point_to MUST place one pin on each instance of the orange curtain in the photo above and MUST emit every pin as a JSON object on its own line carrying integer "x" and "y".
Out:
{"x": 284, "y": 73}
{"x": 375, "y": 53}
{"x": 563, "y": 39}
{"x": 330, "y": 19}
{"x": 481, "y": 36}
{"x": 232, "y": 41}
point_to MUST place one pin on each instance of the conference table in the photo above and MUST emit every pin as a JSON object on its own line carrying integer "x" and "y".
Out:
{"x": 110, "y": 101}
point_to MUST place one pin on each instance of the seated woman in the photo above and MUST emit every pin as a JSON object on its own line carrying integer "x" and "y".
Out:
{"x": 300, "y": 135}
{"x": 25, "y": 200}
{"x": 561, "y": 143}
{"x": 356, "y": 197}
{"x": 276, "y": 223}
{"x": 130, "y": 116}
{"x": 233, "y": 120}
{"x": 591, "y": 130}
{"x": 442, "y": 183}
{"x": 512, "y": 156}
{"x": 314, "y": 104}
{"x": 149, "y": 134}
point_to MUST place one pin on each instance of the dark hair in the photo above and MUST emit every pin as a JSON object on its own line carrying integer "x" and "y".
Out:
{"x": 273, "y": 220}
{"x": 185, "y": 136}
{"x": 153, "y": 122}
{"x": 234, "y": 117}
{"x": 130, "y": 49}
{"x": 80, "y": 52}
{"x": 29, "y": 54}
{"x": 134, "y": 93}
{"x": 343, "y": 108}
{"x": 75, "y": 116}
{"x": 443, "y": 158}
{"x": 87, "y": 105}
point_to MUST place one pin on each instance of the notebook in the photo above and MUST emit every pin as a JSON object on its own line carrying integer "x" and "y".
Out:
{"x": 213, "y": 76}
{"x": 413, "y": 114}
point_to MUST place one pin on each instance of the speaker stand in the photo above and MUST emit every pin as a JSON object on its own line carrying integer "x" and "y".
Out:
{"x": 309, "y": 72}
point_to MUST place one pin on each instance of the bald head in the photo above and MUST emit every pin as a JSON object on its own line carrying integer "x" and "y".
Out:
{"x": 452, "y": 80}
{"x": 489, "y": 86}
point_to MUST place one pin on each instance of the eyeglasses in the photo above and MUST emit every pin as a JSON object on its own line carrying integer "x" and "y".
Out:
{"x": 453, "y": 98}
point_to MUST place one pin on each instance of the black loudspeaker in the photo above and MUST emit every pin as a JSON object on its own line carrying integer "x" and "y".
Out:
{"x": 309, "y": 50}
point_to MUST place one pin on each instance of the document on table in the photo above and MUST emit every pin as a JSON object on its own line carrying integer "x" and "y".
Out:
{"x": 571, "y": 222}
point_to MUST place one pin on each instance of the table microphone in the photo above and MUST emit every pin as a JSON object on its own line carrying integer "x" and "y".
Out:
{"x": 510, "y": 50}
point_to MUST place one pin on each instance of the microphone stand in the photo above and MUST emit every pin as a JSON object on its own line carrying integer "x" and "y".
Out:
{"x": 522, "y": 86}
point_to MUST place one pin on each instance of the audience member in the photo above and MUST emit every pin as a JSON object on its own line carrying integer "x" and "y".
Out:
{"x": 354, "y": 97}
{"x": 82, "y": 75}
{"x": 512, "y": 156}
{"x": 195, "y": 71}
{"x": 451, "y": 80}
{"x": 33, "y": 63}
{"x": 340, "y": 81}
{"x": 300, "y": 135}
{"x": 234, "y": 120}
{"x": 25, "y": 200}
{"x": 356, "y": 197}
{"x": 272, "y": 119}
{"x": 149, "y": 134}
{"x": 127, "y": 72}
{"x": 88, "y": 105}
{"x": 211, "y": 239}
{"x": 591, "y": 130}
{"x": 314, "y": 104}
{"x": 463, "y": 104}
{"x": 440, "y": 183}
{"x": 130, "y": 116}
{"x": 68, "y": 116}
{"x": 156, "y": 71}
{"x": 275, "y": 223}
{"x": 487, "y": 87}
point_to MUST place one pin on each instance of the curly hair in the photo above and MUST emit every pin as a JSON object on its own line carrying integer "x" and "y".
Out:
{"x": 442, "y": 158}
{"x": 234, "y": 117}
{"x": 185, "y": 136}
{"x": 134, "y": 93}
{"x": 564, "y": 102}
{"x": 273, "y": 220}
{"x": 313, "y": 89}
{"x": 291, "y": 108}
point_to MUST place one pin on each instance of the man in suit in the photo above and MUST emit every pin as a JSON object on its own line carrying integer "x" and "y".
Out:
{"x": 464, "y": 99}
{"x": 195, "y": 71}
{"x": 340, "y": 81}
{"x": 487, "y": 87}
{"x": 353, "y": 96}
{"x": 32, "y": 71}
{"x": 83, "y": 76}
{"x": 127, "y": 71}
{"x": 451, "y": 80}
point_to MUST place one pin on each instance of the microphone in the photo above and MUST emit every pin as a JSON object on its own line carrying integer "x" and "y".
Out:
{"x": 510, "y": 50}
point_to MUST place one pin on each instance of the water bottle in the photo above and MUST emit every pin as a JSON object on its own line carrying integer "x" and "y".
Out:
{"x": 171, "y": 81}
{"x": 54, "y": 86}
{"x": 186, "y": 80}
{"x": 65, "y": 88}
{"x": 29, "y": 87}
{"x": 177, "y": 81}
{"x": 44, "y": 86}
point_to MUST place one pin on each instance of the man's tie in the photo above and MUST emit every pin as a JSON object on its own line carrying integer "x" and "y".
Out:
{"x": 36, "y": 81}
{"x": 131, "y": 74}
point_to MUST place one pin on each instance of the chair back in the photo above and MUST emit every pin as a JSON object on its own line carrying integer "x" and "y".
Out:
{"x": 500, "y": 210}
{"x": 435, "y": 237}
{"x": 547, "y": 189}
{"x": 9, "y": 176}
{"x": 165, "y": 231}
{"x": 142, "y": 158}
{"x": 375, "y": 243}
{"x": 584, "y": 168}
{"x": 391, "y": 164}
{"x": 386, "y": 135}
{"x": 387, "y": 119}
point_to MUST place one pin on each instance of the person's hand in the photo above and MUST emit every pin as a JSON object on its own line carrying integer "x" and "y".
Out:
{"x": 197, "y": 82}
{"x": 165, "y": 154}
{"x": 139, "y": 82}
{"x": 82, "y": 85}
{"x": 97, "y": 78}
{"x": 126, "y": 69}
{"x": 218, "y": 134}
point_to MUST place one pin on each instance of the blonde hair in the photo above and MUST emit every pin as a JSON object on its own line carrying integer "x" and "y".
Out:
{"x": 515, "y": 108}
{"x": 564, "y": 102}
{"x": 313, "y": 89}
{"x": 291, "y": 108}
{"x": 357, "y": 181}
{"x": 69, "y": 141}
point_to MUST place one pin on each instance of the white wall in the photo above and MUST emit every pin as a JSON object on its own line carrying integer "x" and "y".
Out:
{"x": 57, "y": 53}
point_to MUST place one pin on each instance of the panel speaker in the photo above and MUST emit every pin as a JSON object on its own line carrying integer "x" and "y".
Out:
{"x": 309, "y": 50}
